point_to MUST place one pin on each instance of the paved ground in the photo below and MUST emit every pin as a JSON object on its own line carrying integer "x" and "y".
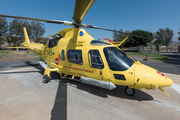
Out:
{"x": 174, "y": 58}
{"x": 24, "y": 96}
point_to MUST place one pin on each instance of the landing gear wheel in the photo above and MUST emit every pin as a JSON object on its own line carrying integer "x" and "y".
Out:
{"x": 129, "y": 91}
{"x": 45, "y": 79}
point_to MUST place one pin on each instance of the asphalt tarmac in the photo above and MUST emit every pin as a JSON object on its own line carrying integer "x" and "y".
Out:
{"x": 24, "y": 96}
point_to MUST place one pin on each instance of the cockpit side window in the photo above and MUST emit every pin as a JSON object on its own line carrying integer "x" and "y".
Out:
{"x": 116, "y": 59}
{"x": 95, "y": 59}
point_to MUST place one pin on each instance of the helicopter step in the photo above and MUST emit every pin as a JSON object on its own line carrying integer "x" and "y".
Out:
{"x": 43, "y": 64}
{"x": 73, "y": 78}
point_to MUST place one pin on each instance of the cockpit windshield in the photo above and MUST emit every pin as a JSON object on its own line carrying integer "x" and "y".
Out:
{"x": 117, "y": 60}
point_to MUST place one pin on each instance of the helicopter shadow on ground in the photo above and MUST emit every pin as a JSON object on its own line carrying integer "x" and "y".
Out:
{"x": 118, "y": 92}
{"x": 59, "y": 110}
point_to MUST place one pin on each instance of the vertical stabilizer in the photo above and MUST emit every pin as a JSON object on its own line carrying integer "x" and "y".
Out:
{"x": 121, "y": 42}
{"x": 26, "y": 42}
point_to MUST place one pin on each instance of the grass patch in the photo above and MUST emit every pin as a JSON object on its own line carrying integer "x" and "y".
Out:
{"x": 162, "y": 58}
{"x": 155, "y": 55}
{"x": 35, "y": 58}
{"x": 33, "y": 54}
{"x": 150, "y": 55}
{"x": 136, "y": 54}
{"x": 2, "y": 55}
{"x": 17, "y": 53}
{"x": 4, "y": 51}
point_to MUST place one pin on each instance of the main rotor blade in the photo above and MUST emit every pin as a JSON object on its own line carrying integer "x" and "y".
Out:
{"x": 90, "y": 26}
{"x": 48, "y": 21}
{"x": 81, "y": 8}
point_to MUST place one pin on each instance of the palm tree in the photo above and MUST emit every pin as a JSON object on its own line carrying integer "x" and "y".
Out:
{"x": 8, "y": 39}
{"x": 157, "y": 43}
{"x": 12, "y": 39}
{"x": 1, "y": 40}
{"x": 165, "y": 36}
{"x": 15, "y": 41}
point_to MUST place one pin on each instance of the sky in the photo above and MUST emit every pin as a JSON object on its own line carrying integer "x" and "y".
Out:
{"x": 149, "y": 15}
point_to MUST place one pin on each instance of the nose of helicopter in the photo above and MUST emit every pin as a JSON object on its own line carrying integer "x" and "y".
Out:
{"x": 169, "y": 81}
{"x": 147, "y": 77}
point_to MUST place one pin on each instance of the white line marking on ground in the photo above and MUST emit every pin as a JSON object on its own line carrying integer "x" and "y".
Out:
{"x": 176, "y": 87}
{"x": 16, "y": 70}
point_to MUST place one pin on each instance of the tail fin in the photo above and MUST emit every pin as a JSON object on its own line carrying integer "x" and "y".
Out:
{"x": 26, "y": 42}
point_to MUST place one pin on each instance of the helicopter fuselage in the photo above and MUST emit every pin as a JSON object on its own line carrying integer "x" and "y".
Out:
{"x": 78, "y": 54}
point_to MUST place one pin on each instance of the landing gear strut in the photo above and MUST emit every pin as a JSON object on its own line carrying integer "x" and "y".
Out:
{"x": 129, "y": 91}
{"x": 45, "y": 79}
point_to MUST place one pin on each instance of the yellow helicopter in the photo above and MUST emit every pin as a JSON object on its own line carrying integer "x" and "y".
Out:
{"x": 75, "y": 54}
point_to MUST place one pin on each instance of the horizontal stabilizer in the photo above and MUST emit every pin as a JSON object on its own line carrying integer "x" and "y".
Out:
{"x": 18, "y": 47}
{"x": 27, "y": 52}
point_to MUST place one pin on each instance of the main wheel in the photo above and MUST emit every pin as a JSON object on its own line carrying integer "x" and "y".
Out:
{"x": 45, "y": 79}
{"x": 129, "y": 91}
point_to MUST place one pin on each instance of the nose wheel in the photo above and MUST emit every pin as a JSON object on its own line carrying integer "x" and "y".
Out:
{"x": 129, "y": 91}
{"x": 45, "y": 79}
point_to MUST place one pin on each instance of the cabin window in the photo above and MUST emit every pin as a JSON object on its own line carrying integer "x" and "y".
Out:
{"x": 62, "y": 54}
{"x": 95, "y": 59}
{"x": 53, "y": 43}
{"x": 75, "y": 56}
